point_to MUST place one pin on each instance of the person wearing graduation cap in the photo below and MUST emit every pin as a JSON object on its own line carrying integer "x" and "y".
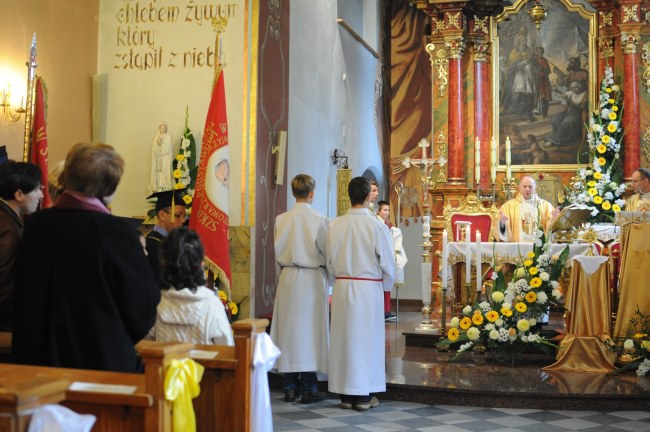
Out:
{"x": 171, "y": 213}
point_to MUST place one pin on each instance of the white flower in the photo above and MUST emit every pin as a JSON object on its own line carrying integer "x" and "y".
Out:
{"x": 555, "y": 284}
{"x": 532, "y": 338}
{"x": 503, "y": 334}
{"x": 485, "y": 307}
{"x": 556, "y": 294}
{"x": 454, "y": 322}
{"x": 628, "y": 344}
{"x": 489, "y": 327}
{"x": 544, "y": 276}
{"x": 542, "y": 297}
{"x": 538, "y": 243}
{"x": 494, "y": 275}
{"x": 494, "y": 334}
{"x": 497, "y": 296}
{"x": 594, "y": 212}
{"x": 473, "y": 333}
{"x": 465, "y": 347}
{"x": 499, "y": 322}
{"x": 532, "y": 322}
{"x": 467, "y": 310}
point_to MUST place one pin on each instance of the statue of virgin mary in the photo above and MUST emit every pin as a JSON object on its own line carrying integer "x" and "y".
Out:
{"x": 161, "y": 161}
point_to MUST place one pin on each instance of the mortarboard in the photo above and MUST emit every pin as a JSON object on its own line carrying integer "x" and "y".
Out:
{"x": 164, "y": 199}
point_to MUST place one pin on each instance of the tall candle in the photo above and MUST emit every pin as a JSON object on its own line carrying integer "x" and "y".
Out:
{"x": 493, "y": 166}
{"x": 478, "y": 261}
{"x": 508, "y": 159}
{"x": 477, "y": 161}
{"x": 445, "y": 258}
{"x": 424, "y": 149}
{"x": 468, "y": 255}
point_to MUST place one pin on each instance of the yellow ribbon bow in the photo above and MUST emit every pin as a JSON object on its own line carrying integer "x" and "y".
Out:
{"x": 181, "y": 386}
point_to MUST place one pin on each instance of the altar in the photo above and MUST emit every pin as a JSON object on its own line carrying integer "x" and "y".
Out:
{"x": 498, "y": 253}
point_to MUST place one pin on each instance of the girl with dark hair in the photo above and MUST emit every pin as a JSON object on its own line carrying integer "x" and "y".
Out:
{"x": 188, "y": 310}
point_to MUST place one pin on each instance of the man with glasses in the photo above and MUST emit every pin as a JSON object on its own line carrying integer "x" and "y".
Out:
{"x": 640, "y": 181}
{"x": 171, "y": 213}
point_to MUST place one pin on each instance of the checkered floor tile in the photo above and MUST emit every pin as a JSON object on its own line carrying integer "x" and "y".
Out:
{"x": 407, "y": 416}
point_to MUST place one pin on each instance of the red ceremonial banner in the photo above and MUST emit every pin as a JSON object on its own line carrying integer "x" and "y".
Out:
{"x": 210, "y": 204}
{"x": 39, "y": 140}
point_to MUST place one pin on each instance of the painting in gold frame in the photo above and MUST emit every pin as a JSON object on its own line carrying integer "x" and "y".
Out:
{"x": 544, "y": 84}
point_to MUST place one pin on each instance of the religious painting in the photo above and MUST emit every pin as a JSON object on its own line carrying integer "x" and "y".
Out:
{"x": 544, "y": 82}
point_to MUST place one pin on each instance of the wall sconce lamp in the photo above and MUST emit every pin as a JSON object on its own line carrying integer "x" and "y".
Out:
{"x": 5, "y": 103}
{"x": 339, "y": 159}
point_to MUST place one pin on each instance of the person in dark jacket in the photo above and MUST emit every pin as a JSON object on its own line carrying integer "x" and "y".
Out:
{"x": 20, "y": 194}
{"x": 85, "y": 294}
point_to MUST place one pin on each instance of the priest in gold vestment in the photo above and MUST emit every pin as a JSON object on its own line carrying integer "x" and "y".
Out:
{"x": 521, "y": 216}
{"x": 640, "y": 181}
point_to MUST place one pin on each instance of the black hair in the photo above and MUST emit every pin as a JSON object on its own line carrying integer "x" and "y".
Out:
{"x": 15, "y": 176}
{"x": 645, "y": 172}
{"x": 358, "y": 190}
{"x": 382, "y": 203}
{"x": 181, "y": 256}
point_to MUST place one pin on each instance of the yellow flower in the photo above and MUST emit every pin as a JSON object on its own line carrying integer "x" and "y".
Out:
{"x": 187, "y": 199}
{"x": 506, "y": 312}
{"x": 465, "y": 323}
{"x": 533, "y": 271}
{"x": 598, "y": 199}
{"x": 521, "y": 307}
{"x": 531, "y": 296}
{"x": 611, "y": 101}
{"x": 598, "y": 175}
{"x": 601, "y": 161}
{"x": 492, "y": 316}
{"x": 612, "y": 115}
{"x": 592, "y": 191}
{"x": 453, "y": 334}
{"x": 614, "y": 108}
{"x": 512, "y": 332}
{"x": 530, "y": 254}
{"x": 536, "y": 282}
{"x": 477, "y": 312}
{"x": 640, "y": 335}
{"x": 179, "y": 185}
{"x": 523, "y": 325}
{"x": 177, "y": 173}
{"x": 477, "y": 319}
{"x": 222, "y": 295}
{"x": 233, "y": 308}
{"x": 180, "y": 157}
{"x": 605, "y": 139}
{"x": 616, "y": 208}
{"x": 611, "y": 127}
{"x": 601, "y": 148}
{"x": 606, "y": 205}
{"x": 608, "y": 90}
{"x": 591, "y": 183}
{"x": 528, "y": 263}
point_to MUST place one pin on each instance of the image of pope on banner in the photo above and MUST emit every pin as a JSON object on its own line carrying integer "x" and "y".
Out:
{"x": 210, "y": 209}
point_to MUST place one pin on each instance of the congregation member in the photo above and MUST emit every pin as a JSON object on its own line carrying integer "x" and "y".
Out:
{"x": 188, "y": 311}
{"x": 521, "y": 216}
{"x": 20, "y": 195}
{"x": 640, "y": 182}
{"x": 361, "y": 258}
{"x": 84, "y": 293}
{"x": 383, "y": 212}
{"x": 171, "y": 213}
{"x": 300, "y": 325}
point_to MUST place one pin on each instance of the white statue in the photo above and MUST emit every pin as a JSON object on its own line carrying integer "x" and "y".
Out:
{"x": 161, "y": 158}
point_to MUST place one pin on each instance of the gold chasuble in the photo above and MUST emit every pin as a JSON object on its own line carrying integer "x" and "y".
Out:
{"x": 524, "y": 218}
{"x": 588, "y": 315}
{"x": 635, "y": 274}
{"x": 638, "y": 202}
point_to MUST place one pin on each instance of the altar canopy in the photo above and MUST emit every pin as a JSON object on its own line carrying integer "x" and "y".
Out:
{"x": 635, "y": 274}
{"x": 587, "y": 317}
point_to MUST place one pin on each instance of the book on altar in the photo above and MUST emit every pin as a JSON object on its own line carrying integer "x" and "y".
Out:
{"x": 571, "y": 217}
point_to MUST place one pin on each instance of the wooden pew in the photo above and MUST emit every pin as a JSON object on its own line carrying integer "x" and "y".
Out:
{"x": 226, "y": 388}
{"x": 18, "y": 401}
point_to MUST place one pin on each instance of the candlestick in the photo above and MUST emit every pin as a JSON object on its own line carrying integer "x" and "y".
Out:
{"x": 445, "y": 259}
{"x": 508, "y": 159}
{"x": 478, "y": 261}
{"x": 468, "y": 255}
{"x": 493, "y": 166}
{"x": 477, "y": 161}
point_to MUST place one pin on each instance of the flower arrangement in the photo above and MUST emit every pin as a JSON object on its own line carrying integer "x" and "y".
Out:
{"x": 634, "y": 348}
{"x": 505, "y": 324}
{"x": 599, "y": 185}
{"x": 185, "y": 168}
{"x": 232, "y": 308}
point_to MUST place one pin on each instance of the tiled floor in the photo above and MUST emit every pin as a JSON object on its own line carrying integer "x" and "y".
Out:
{"x": 425, "y": 392}
{"x": 409, "y": 416}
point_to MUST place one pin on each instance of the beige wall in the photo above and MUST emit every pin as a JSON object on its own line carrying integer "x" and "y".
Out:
{"x": 66, "y": 34}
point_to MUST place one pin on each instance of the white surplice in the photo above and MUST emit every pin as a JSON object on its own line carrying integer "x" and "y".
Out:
{"x": 300, "y": 325}
{"x": 358, "y": 247}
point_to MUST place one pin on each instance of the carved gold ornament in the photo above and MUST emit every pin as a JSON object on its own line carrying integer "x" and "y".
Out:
{"x": 606, "y": 19}
{"x": 646, "y": 143}
{"x": 481, "y": 52}
{"x": 645, "y": 60}
{"x": 454, "y": 20}
{"x": 442, "y": 67}
{"x": 629, "y": 42}
{"x": 437, "y": 25}
{"x": 481, "y": 24}
{"x": 470, "y": 205}
{"x": 455, "y": 48}
{"x": 606, "y": 47}
{"x": 631, "y": 14}
{"x": 442, "y": 155}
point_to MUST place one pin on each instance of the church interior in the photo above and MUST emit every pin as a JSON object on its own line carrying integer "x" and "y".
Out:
{"x": 451, "y": 106}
